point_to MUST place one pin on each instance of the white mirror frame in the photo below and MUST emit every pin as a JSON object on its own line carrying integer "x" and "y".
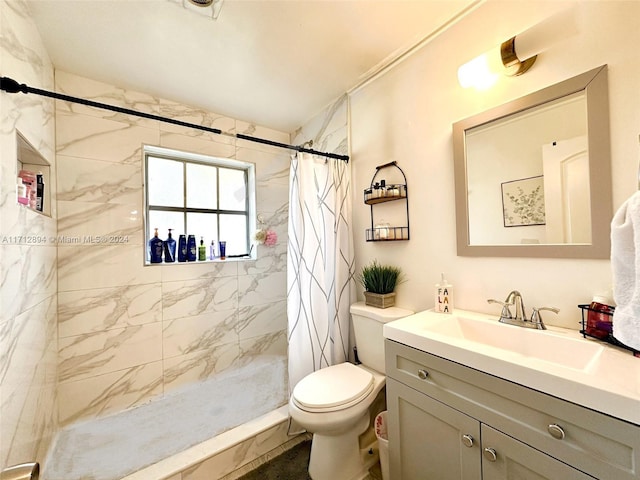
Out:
{"x": 594, "y": 84}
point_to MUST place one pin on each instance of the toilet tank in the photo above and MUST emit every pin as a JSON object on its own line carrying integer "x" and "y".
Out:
{"x": 367, "y": 326}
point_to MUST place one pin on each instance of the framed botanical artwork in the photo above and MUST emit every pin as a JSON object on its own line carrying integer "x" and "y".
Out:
{"x": 523, "y": 202}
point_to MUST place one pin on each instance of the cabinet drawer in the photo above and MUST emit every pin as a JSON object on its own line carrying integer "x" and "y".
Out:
{"x": 597, "y": 444}
{"x": 512, "y": 459}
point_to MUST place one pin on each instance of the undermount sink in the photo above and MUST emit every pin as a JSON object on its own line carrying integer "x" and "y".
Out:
{"x": 556, "y": 361}
{"x": 543, "y": 345}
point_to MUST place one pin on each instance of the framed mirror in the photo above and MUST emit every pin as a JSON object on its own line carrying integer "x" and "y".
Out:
{"x": 533, "y": 176}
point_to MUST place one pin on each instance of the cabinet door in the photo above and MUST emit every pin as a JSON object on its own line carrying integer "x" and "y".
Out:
{"x": 505, "y": 458}
{"x": 427, "y": 438}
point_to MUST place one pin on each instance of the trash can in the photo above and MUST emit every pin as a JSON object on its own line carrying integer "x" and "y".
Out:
{"x": 383, "y": 443}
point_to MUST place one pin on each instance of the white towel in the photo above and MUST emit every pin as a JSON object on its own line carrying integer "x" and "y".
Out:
{"x": 625, "y": 263}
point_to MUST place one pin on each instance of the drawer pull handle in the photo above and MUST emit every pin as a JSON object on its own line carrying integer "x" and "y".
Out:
{"x": 467, "y": 440}
{"x": 490, "y": 454}
{"x": 423, "y": 374}
{"x": 556, "y": 431}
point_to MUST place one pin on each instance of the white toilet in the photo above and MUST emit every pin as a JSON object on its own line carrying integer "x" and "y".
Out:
{"x": 333, "y": 403}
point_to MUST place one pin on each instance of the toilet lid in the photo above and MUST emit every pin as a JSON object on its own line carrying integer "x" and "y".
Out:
{"x": 333, "y": 388}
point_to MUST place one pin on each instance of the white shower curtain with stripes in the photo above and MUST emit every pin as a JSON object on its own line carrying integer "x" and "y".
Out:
{"x": 320, "y": 276}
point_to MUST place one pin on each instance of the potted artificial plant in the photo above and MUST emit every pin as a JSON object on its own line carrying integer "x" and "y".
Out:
{"x": 379, "y": 282}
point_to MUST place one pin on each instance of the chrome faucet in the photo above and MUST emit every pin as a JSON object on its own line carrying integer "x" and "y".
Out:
{"x": 515, "y": 299}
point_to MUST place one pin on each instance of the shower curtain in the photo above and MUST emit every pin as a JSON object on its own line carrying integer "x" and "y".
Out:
{"x": 320, "y": 264}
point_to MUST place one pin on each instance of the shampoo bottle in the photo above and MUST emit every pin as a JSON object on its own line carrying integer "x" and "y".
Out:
{"x": 155, "y": 248}
{"x": 444, "y": 296}
{"x": 39, "y": 192}
{"x": 169, "y": 249}
{"x": 212, "y": 250}
{"x": 192, "y": 249}
{"x": 182, "y": 248}
{"x": 202, "y": 251}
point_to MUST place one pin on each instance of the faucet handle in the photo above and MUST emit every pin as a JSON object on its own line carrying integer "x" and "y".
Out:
{"x": 506, "y": 313}
{"x": 537, "y": 318}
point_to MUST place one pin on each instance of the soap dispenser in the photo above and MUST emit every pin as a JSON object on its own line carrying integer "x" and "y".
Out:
{"x": 170, "y": 249}
{"x": 155, "y": 248}
{"x": 444, "y": 296}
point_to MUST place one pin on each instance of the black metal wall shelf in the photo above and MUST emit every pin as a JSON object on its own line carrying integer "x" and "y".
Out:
{"x": 606, "y": 337}
{"x": 381, "y": 192}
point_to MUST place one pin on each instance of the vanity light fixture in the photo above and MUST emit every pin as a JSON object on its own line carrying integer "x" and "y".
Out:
{"x": 483, "y": 71}
{"x": 518, "y": 54}
{"x": 512, "y": 64}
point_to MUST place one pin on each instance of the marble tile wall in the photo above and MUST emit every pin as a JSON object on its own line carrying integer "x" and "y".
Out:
{"x": 328, "y": 130}
{"x": 129, "y": 332}
{"x": 28, "y": 268}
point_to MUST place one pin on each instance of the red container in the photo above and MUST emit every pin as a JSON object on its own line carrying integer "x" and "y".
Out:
{"x": 600, "y": 318}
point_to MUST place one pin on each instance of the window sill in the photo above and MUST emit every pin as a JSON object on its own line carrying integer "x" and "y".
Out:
{"x": 201, "y": 262}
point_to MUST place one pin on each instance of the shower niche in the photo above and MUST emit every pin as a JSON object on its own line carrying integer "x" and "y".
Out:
{"x": 392, "y": 188}
{"x": 33, "y": 175}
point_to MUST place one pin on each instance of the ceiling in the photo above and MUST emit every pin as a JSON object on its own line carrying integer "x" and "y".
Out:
{"x": 271, "y": 62}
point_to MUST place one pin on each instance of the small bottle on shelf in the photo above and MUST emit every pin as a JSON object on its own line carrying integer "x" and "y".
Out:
{"x": 202, "y": 251}
{"x": 155, "y": 248}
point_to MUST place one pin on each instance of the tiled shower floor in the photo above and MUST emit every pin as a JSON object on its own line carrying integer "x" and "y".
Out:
{"x": 142, "y": 436}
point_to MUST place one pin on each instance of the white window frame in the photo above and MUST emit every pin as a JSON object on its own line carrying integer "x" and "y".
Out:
{"x": 188, "y": 157}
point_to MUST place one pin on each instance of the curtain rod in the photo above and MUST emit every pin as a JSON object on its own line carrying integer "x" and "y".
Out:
{"x": 9, "y": 85}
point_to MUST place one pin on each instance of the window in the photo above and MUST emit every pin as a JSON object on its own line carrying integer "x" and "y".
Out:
{"x": 210, "y": 198}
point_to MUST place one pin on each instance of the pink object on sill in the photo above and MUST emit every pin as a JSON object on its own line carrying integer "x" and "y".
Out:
{"x": 271, "y": 238}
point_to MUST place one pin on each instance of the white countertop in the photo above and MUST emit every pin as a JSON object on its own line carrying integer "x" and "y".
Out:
{"x": 608, "y": 380}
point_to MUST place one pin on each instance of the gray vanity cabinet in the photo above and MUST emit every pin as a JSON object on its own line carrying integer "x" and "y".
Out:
{"x": 427, "y": 437}
{"x": 447, "y": 421}
{"x": 433, "y": 441}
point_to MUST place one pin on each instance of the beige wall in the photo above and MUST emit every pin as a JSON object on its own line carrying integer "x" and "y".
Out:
{"x": 406, "y": 115}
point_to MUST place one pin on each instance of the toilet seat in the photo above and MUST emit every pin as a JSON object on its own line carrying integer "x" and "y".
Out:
{"x": 333, "y": 388}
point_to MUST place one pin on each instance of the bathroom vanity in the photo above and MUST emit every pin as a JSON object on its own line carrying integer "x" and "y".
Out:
{"x": 469, "y": 398}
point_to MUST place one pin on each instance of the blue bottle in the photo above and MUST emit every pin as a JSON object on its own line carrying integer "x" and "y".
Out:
{"x": 155, "y": 248}
{"x": 192, "y": 249}
{"x": 182, "y": 248}
{"x": 170, "y": 249}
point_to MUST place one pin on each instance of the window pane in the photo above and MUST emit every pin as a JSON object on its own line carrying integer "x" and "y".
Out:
{"x": 201, "y": 186}
{"x": 233, "y": 191}
{"x": 165, "y": 182}
{"x": 233, "y": 230}
{"x": 164, "y": 221}
{"x": 203, "y": 225}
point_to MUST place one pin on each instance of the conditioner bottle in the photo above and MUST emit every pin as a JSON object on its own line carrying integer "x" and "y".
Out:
{"x": 170, "y": 249}
{"x": 192, "y": 249}
{"x": 182, "y": 248}
{"x": 202, "y": 251}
